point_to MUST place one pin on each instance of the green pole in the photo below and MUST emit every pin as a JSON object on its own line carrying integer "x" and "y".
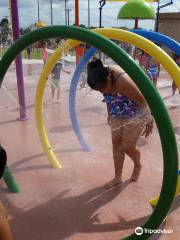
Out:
{"x": 10, "y": 181}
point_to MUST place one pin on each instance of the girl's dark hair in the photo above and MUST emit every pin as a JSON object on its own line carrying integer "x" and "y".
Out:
{"x": 3, "y": 160}
{"x": 97, "y": 74}
{"x": 94, "y": 64}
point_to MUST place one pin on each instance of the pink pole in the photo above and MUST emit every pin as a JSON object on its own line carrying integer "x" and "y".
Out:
{"x": 19, "y": 67}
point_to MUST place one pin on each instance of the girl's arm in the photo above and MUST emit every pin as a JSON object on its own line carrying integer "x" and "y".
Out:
{"x": 5, "y": 232}
{"x": 159, "y": 68}
{"x": 109, "y": 116}
{"x": 127, "y": 87}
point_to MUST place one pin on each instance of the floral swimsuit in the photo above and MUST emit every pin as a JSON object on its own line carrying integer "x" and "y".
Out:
{"x": 121, "y": 106}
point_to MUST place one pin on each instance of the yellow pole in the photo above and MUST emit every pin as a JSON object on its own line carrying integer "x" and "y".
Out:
{"x": 153, "y": 202}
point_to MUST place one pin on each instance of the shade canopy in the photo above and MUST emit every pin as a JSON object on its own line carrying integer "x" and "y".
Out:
{"x": 136, "y": 9}
{"x": 40, "y": 24}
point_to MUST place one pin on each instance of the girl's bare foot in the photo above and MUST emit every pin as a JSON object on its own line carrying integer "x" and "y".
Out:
{"x": 113, "y": 183}
{"x": 136, "y": 173}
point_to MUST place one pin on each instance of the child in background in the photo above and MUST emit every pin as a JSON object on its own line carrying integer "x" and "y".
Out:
{"x": 143, "y": 60}
{"x": 45, "y": 53}
{"x": 177, "y": 60}
{"x": 127, "y": 114}
{"x": 5, "y": 232}
{"x": 153, "y": 69}
{"x": 55, "y": 79}
{"x": 28, "y": 51}
{"x": 150, "y": 66}
{"x": 83, "y": 78}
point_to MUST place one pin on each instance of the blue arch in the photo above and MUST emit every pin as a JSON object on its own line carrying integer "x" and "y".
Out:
{"x": 153, "y": 36}
{"x": 72, "y": 97}
{"x": 160, "y": 39}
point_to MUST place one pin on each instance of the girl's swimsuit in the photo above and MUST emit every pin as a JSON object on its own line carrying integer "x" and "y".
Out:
{"x": 143, "y": 60}
{"x": 126, "y": 122}
{"x": 56, "y": 72}
{"x": 153, "y": 71}
{"x": 45, "y": 54}
{"x": 178, "y": 62}
{"x": 121, "y": 106}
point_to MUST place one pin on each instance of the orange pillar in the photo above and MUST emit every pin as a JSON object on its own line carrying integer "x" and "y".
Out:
{"x": 77, "y": 23}
{"x": 76, "y": 12}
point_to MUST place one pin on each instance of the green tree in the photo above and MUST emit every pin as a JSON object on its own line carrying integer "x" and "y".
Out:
{"x": 4, "y": 31}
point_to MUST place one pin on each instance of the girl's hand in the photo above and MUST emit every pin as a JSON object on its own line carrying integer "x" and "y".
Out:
{"x": 109, "y": 120}
{"x": 148, "y": 129}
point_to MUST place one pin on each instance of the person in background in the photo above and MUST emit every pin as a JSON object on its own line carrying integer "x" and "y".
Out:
{"x": 142, "y": 58}
{"x": 83, "y": 78}
{"x": 176, "y": 58}
{"x": 55, "y": 79}
{"x": 5, "y": 231}
{"x": 28, "y": 51}
{"x": 153, "y": 69}
{"x": 45, "y": 54}
{"x": 128, "y": 114}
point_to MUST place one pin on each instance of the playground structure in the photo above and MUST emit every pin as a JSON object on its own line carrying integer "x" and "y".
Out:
{"x": 133, "y": 71}
{"x": 171, "y": 168}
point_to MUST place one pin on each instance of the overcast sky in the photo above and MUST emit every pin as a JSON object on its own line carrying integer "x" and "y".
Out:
{"x": 28, "y": 13}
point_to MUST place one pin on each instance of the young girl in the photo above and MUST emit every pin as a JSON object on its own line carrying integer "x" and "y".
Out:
{"x": 55, "y": 79}
{"x": 5, "y": 232}
{"x": 143, "y": 60}
{"x": 153, "y": 69}
{"x": 177, "y": 61}
{"x": 127, "y": 114}
{"x": 45, "y": 53}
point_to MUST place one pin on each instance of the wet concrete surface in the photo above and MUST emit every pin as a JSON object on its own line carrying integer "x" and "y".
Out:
{"x": 71, "y": 203}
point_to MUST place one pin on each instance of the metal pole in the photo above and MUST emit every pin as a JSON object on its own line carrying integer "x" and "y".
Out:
{"x": 65, "y": 11}
{"x": 38, "y": 11}
{"x": 100, "y": 17}
{"x": 51, "y": 12}
{"x": 102, "y": 3}
{"x": 10, "y": 17}
{"x": 88, "y": 13}
{"x": 158, "y": 10}
{"x": 68, "y": 18}
{"x": 157, "y": 18}
{"x": 19, "y": 68}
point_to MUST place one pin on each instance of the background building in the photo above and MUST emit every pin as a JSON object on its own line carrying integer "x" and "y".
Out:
{"x": 169, "y": 24}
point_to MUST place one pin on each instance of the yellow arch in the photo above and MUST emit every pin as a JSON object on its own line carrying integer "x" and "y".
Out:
{"x": 116, "y": 34}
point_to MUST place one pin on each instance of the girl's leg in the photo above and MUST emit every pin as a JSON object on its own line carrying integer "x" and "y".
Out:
{"x": 155, "y": 81}
{"x": 118, "y": 153}
{"x": 135, "y": 155}
{"x": 119, "y": 157}
{"x": 131, "y": 134}
{"x": 58, "y": 90}
{"x": 5, "y": 231}
{"x": 58, "y": 95}
{"x": 52, "y": 91}
{"x": 174, "y": 87}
